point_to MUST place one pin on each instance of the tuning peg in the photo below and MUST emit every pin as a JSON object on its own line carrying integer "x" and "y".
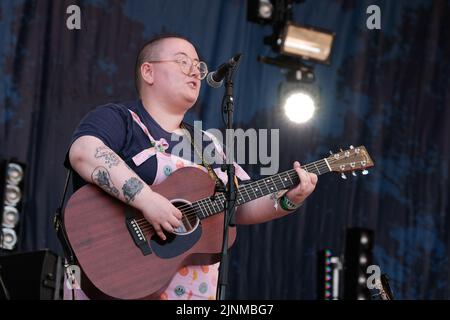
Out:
{"x": 365, "y": 172}
{"x": 354, "y": 173}
{"x": 331, "y": 152}
{"x": 341, "y": 150}
{"x": 343, "y": 176}
{"x": 352, "y": 147}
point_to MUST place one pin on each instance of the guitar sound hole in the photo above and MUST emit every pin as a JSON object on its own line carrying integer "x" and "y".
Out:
{"x": 190, "y": 221}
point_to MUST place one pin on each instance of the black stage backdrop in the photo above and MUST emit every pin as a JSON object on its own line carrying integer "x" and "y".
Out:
{"x": 386, "y": 89}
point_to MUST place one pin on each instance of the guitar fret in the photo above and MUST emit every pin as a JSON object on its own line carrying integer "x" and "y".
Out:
{"x": 239, "y": 197}
{"x": 267, "y": 187}
{"x": 318, "y": 170}
{"x": 199, "y": 213}
{"x": 204, "y": 208}
{"x": 272, "y": 189}
{"x": 248, "y": 195}
{"x": 289, "y": 176}
{"x": 254, "y": 189}
{"x": 283, "y": 180}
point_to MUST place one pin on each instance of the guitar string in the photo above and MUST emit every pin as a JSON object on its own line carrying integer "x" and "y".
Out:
{"x": 253, "y": 184}
{"x": 146, "y": 226}
{"x": 289, "y": 172}
{"x": 198, "y": 205}
{"x": 321, "y": 166}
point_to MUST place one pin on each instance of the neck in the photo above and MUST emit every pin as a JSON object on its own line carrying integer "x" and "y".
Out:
{"x": 168, "y": 118}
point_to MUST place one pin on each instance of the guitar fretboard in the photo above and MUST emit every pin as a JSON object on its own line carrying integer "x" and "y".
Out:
{"x": 247, "y": 192}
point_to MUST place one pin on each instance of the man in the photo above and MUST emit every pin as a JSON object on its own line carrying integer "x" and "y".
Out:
{"x": 111, "y": 149}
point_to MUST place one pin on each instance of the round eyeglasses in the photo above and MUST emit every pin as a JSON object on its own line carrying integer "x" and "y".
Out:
{"x": 187, "y": 66}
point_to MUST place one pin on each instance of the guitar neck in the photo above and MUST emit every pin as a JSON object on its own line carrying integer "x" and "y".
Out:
{"x": 260, "y": 188}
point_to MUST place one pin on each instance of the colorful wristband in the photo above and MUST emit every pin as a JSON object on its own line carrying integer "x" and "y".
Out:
{"x": 288, "y": 205}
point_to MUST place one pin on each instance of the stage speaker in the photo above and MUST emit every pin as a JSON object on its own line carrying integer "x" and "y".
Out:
{"x": 36, "y": 275}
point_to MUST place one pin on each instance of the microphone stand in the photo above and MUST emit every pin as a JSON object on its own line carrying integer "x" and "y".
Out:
{"x": 231, "y": 189}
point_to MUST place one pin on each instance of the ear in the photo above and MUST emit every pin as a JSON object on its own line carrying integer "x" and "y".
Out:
{"x": 147, "y": 73}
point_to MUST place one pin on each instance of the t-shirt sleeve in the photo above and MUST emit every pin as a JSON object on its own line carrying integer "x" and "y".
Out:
{"x": 107, "y": 123}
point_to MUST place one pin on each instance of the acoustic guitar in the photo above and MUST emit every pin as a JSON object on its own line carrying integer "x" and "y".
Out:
{"x": 122, "y": 258}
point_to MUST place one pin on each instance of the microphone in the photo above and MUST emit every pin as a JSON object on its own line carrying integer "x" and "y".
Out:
{"x": 215, "y": 78}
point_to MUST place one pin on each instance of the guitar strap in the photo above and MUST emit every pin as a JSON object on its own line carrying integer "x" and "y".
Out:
{"x": 59, "y": 225}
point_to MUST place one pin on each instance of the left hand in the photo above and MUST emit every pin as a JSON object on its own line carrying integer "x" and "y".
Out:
{"x": 306, "y": 186}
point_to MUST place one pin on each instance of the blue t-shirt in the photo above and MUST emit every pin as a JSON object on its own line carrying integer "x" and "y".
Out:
{"x": 113, "y": 124}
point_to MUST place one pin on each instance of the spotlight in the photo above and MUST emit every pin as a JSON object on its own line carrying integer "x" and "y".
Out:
{"x": 14, "y": 174}
{"x": 358, "y": 256}
{"x": 260, "y": 11}
{"x": 306, "y": 42}
{"x": 9, "y": 239}
{"x": 10, "y": 217}
{"x": 299, "y": 101}
{"x": 11, "y": 194}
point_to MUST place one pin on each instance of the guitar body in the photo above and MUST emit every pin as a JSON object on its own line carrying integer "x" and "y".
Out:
{"x": 113, "y": 265}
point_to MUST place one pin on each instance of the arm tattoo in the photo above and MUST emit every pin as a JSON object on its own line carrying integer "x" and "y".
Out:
{"x": 101, "y": 177}
{"x": 131, "y": 188}
{"x": 111, "y": 159}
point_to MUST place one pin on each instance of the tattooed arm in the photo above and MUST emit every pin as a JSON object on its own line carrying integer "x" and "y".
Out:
{"x": 98, "y": 164}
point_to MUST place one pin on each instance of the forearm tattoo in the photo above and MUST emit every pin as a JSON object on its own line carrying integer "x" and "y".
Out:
{"x": 131, "y": 188}
{"x": 101, "y": 177}
{"x": 110, "y": 158}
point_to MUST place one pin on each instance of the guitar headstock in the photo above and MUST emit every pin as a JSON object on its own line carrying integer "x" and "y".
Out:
{"x": 352, "y": 160}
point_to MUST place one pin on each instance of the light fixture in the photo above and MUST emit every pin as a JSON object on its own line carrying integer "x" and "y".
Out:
{"x": 358, "y": 256}
{"x": 10, "y": 217}
{"x": 299, "y": 101}
{"x": 306, "y": 42}
{"x": 299, "y": 107}
{"x": 14, "y": 173}
{"x": 260, "y": 11}
{"x": 328, "y": 275}
{"x": 11, "y": 196}
{"x": 8, "y": 239}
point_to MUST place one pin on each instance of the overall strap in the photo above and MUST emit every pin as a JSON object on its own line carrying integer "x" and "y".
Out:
{"x": 58, "y": 224}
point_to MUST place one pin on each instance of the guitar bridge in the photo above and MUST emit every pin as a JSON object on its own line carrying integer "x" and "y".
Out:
{"x": 138, "y": 236}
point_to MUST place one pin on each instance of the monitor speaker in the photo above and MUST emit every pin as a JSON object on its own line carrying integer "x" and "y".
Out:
{"x": 36, "y": 275}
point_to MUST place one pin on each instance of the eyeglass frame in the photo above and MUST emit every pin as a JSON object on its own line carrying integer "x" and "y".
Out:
{"x": 194, "y": 63}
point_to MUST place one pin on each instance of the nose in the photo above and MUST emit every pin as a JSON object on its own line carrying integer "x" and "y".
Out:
{"x": 195, "y": 71}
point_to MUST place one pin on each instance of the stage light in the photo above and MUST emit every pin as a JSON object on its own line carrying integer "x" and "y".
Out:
{"x": 12, "y": 195}
{"x": 306, "y": 42}
{"x": 328, "y": 275}
{"x": 9, "y": 239}
{"x": 10, "y": 217}
{"x": 11, "y": 192}
{"x": 358, "y": 256}
{"x": 265, "y": 9}
{"x": 299, "y": 107}
{"x": 14, "y": 174}
{"x": 260, "y": 11}
{"x": 363, "y": 260}
{"x": 298, "y": 100}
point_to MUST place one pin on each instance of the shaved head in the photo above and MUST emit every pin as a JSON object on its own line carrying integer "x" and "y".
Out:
{"x": 151, "y": 51}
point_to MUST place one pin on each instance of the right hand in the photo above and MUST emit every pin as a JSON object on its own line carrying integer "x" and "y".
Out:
{"x": 161, "y": 214}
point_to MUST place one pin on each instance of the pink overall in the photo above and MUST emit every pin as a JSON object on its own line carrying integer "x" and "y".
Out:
{"x": 190, "y": 282}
